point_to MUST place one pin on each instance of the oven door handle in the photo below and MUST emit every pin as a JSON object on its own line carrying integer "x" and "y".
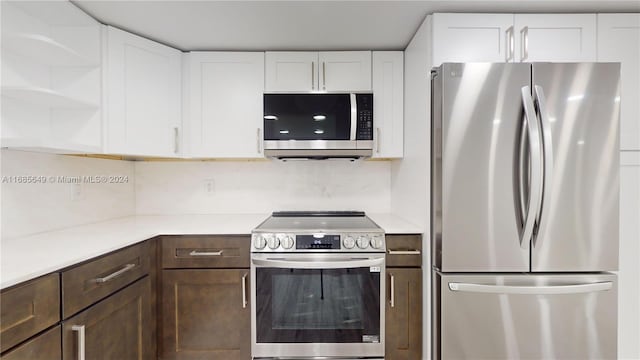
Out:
{"x": 317, "y": 263}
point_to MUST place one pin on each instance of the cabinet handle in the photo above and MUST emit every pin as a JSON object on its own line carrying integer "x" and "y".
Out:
{"x": 115, "y": 274}
{"x": 324, "y": 76}
{"x": 524, "y": 47}
{"x": 205, "y": 253}
{"x": 80, "y": 330}
{"x": 313, "y": 75}
{"x": 403, "y": 252}
{"x": 378, "y": 140}
{"x": 392, "y": 301}
{"x": 509, "y": 43}
{"x": 259, "y": 140}
{"x": 176, "y": 142}
{"x": 244, "y": 291}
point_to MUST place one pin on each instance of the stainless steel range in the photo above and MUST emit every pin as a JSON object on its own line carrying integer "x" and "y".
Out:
{"x": 317, "y": 286}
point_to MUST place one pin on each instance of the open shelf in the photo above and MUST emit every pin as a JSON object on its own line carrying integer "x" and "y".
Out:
{"x": 49, "y": 146}
{"x": 45, "y": 50}
{"x": 46, "y": 97}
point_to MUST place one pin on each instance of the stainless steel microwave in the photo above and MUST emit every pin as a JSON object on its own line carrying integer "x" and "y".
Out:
{"x": 318, "y": 125}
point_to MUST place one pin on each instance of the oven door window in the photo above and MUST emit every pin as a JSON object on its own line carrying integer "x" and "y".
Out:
{"x": 317, "y": 306}
{"x": 307, "y": 116}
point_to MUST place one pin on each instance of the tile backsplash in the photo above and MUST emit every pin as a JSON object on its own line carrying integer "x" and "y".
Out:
{"x": 261, "y": 186}
{"x": 42, "y": 192}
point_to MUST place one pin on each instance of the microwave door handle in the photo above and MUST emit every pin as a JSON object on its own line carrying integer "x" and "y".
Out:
{"x": 320, "y": 264}
{"x": 354, "y": 117}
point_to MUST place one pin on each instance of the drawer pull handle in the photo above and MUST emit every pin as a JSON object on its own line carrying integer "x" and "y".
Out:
{"x": 392, "y": 300}
{"x": 80, "y": 330}
{"x": 115, "y": 274}
{"x": 244, "y": 291}
{"x": 404, "y": 252}
{"x": 205, "y": 253}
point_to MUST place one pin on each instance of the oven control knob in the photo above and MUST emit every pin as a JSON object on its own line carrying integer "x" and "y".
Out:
{"x": 349, "y": 242}
{"x": 259, "y": 242}
{"x": 376, "y": 242}
{"x": 272, "y": 242}
{"x": 363, "y": 241}
{"x": 286, "y": 241}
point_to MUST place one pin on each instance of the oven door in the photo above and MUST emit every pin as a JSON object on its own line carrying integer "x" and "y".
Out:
{"x": 317, "y": 305}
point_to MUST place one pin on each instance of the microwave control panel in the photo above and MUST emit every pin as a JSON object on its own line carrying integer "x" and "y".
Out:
{"x": 365, "y": 117}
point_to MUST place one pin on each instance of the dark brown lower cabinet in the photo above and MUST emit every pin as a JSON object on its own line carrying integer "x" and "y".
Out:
{"x": 404, "y": 314}
{"x": 205, "y": 314}
{"x": 118, "y": 327}
{"x": 45, "y": 346}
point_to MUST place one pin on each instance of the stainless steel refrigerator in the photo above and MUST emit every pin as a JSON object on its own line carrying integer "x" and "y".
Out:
{"x": 525, "y": 210}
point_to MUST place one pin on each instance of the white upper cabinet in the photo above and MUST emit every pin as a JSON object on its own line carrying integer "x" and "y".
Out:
{"x": 51, "y": 78}
{"x": 619, "y": 41}
{"x": 224, "y": 104}
{"x": 513, "y": 38}
{"x": 555, "y": 37}
{"x": 344, "y": 71}
{"x": 388, "y": 104}
{"x": 318, "y": 71}
{"x": 291, "y": 71}
{"x": 143, "y": 96}
{"x": 471, "y": 37}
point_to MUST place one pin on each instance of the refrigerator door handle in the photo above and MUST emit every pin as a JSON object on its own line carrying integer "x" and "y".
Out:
{"x": 531, "y": 290}
{"x": 547, "y": 154}
{"x": 535, "y": 191}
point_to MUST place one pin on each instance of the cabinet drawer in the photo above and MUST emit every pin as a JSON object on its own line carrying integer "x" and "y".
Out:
{"x": 220, "y": 251}
{"x": 42, "y": 347}
{"x": 404, "y": 250}
{"x": 86, "y": 284}
{"x": 28, "y": 309}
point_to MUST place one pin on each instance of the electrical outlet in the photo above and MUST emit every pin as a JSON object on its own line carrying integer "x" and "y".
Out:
{"x": 75, "y": 191}
{"x": 209, "y": 187}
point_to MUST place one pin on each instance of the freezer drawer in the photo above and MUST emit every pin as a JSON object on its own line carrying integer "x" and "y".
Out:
{"x": 525, "y": 316}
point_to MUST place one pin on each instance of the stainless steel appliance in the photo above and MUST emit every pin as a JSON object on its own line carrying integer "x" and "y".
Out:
{"x": 318, "y": 286}
{"x": 318, "y": 125}
{"x": 525, "y": 210}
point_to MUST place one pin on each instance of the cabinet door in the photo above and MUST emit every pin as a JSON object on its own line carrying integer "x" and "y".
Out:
{"x": 403, "y": 332}
{"x": 143, "y": 96}
{"x": 206, "y": 314}
{"x": 345, "y": 71}
{"x": 118, "y": 327}
{"x": 472, "y": 38}
{"x": 42, "y": 347}
{"x": 628, "y": 276}
{"x": 555, "y": 37}
{"x": 619, "y": 41}
{"x": 388, "y": 105}
{"x": 291, "y": 71}
{"x": 225, "y": 104}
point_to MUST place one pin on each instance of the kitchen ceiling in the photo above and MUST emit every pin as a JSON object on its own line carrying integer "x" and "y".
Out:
{"x": 304, "y": 25}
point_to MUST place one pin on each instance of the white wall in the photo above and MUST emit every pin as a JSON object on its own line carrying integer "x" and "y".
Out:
{"x": 37, "y": 207}
{"x": 261, "y": 186}
{"x": 410, "y": 177}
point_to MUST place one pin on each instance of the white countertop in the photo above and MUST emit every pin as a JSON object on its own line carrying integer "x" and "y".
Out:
{"x": 28, "y": 257}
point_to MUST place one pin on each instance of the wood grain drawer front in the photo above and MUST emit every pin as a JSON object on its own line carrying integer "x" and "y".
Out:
{"x": 223, "y": 251}
{"x": 404, "y": 250}
{"x": 28, "y": 309}
{"x": 118, "y": 327}
{"x": 86, "y": 284}
{"x": 42, "y": 347}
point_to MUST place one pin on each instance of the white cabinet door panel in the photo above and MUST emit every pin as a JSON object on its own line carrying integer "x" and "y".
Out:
{"x": 619, "y": 41}
{"x": 555, "y": 37}
{"x": 291, "y": 71}
{"x": 143, "y": 92}
{"x": 225, "y": 97}
{"x": 471, "y": 37}
{"x": 388, "y": 104}
{"x": 345, "y": 70}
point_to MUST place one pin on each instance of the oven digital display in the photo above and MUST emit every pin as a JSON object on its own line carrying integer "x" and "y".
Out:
{"x": 318, "y": 241}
